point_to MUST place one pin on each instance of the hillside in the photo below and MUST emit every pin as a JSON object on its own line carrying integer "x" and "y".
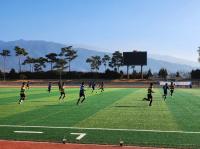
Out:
{"x": 37, "y": 48}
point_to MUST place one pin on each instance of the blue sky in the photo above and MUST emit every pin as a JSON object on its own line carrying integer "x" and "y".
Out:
{"x": 167, "y": 27}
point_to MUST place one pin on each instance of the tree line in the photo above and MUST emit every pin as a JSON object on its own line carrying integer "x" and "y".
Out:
{"x": 62, "y": 61}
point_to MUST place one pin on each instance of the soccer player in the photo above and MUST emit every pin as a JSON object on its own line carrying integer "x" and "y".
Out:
{"x": 190, "y": 84}
{"x": 102, "y": 86}
{"x": 27, "y": 85}
{"x": 22, "y": 93}
{"x": 171, "y": 88}
{"x": 81, "y": 93}
{"x": 165, "y": 88}
{"x": 62, "y": 92}
{"x": 49, "y": 87}
{"x": 149, "y": 94}
{"x": 89, "y": 84}
{"x": 93, "y": 86}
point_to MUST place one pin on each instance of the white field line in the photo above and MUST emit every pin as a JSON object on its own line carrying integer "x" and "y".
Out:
{"x": 37, "y": 132}
{"x": 80, "y": 135}
{"x": 107, "y": 129}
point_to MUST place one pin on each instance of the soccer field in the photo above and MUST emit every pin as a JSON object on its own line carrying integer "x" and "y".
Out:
{"x": 105, "y": 118}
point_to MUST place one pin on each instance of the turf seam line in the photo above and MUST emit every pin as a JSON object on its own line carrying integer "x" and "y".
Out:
{"x": 37, "y": 132}
{"x": 106, "y": 129}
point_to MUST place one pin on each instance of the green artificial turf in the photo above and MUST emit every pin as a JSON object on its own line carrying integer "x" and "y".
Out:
{"x": 106, "y": 113}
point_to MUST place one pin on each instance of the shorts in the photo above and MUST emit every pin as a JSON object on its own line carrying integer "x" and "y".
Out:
{"x": 22, "y": 95}
{"x": 165, "y": 92}
{"x": 81, "y": 94}
{"x": 149, "y": 96}
{"x": 62, "y": 93}
{"x": 171, "y": 91}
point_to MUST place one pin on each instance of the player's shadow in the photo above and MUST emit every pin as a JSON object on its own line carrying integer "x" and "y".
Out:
{"x": 128, "y": 106}
{"x": 45, "y": 101}
{"x": 58, "y": 105}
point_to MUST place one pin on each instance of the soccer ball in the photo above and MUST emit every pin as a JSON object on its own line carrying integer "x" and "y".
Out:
{"x": 64, "y": 140}
{"x": 121, "y": 143}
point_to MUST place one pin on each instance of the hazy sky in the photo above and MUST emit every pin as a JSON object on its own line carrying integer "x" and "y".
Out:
{"x": 170, "y": 27}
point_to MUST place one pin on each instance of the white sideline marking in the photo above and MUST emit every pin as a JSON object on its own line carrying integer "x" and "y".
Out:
{"x": 81, "y": 135}
{"x": 109, "y": 129}
{"x": 37, "y": 132}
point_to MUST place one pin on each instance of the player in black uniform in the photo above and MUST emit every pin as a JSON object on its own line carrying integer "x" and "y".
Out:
{"x": 89, "y": 84}
{"x": 149, "y": 94}
{"x": 27, "y": 85}
{"x": 62, "y": 91}
{"x": 49, "y": 87}
{"x": 165, "y": 88}
{"x": 93, "y": 86}
{"x": 81, "y": 93}
{"x": 101, "y": 86}
{"x": 171, "y": 87}
{"x": 22, "y": 93}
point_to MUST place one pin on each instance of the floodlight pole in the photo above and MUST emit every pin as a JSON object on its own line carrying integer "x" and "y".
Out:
{"x": 127, "y": 71}
{"x": 141, "y": 72}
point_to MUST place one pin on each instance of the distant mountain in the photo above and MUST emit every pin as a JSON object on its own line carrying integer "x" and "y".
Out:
{"x": 37, "y": 48}
{"x": 175, "y": 60}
